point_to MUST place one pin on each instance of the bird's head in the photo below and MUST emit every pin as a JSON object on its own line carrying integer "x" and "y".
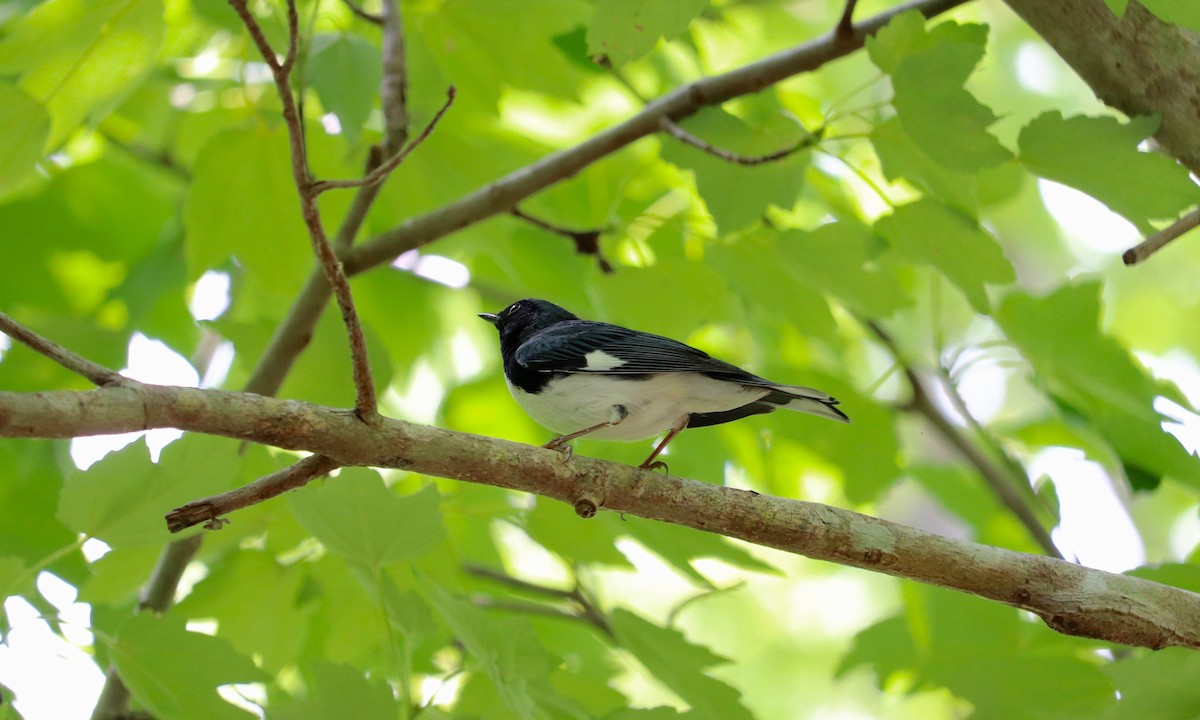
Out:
{"x": 525, "y": 318}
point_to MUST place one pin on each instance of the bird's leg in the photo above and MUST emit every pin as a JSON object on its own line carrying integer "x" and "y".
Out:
{"x": 677, "y": 428}
{"x": 619, "y": 413}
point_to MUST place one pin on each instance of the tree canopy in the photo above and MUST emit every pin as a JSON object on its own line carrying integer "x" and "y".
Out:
{"x": 297, "y": 209}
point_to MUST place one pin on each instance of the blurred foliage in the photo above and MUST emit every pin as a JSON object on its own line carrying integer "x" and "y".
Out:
{"x": 142, "y": 155}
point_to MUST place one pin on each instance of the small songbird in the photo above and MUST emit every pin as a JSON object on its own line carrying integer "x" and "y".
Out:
{"x": 579, "y": 377}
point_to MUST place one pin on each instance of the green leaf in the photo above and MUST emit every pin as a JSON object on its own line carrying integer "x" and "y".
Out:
{"x": 341, "y": 691}
{"x": 1183, "y": 13}
{"x": 357, "y": 517}
{"x": 678, "y": 546}
{"x": 256, "y": 603}
{"x": 15, "y": 578}
{"x": 252, "y": 214}
{"x": 680, "y": 665}
{"x": 1160, "y": 686}
{"x": 98, "y": 49}
{"x": 1100, "y": 157}
{"x": 1060, "y": 336}
{"x": 29, "y": 495}
{"x": 24, "y": 127}
{"x": 901, "y": 159}
{"x": 943, "y": 119}
{"x": 493, "y": 645}
{"x": 928, "y": 70}
{"x": 1180, "y": 575}
{"x": 556, "y": 527}
{"x": 122, "y": 498}
{"x": 739, "y": 195}
{"x": 345, "y": 70}
{"x": 467, "y": 38}
{"x": 905, "y": 35}
{"x": 928, "y": 232}
{"x": 175, "y": 673}
{"x": 838, "y": 259}
{"x": 624, "y": 30}
{"x": 985, "y": 653}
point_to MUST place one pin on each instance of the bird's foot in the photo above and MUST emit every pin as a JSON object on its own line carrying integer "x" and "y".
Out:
{"x": 656, "y": 465}
{"x": 559, "y": 445}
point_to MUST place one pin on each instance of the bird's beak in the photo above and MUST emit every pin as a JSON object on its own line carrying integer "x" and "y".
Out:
{"x": 490, "y": 317}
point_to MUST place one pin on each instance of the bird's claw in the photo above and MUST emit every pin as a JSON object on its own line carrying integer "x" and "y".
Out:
{"x": 656, "y": 465}
{"x": 561, "y": 448}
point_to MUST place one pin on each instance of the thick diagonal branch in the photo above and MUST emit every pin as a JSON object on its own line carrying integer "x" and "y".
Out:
{"x": 1069, "y": 598}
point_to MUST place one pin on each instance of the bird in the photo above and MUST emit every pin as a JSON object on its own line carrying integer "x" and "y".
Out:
{"x": 581, "y": 377}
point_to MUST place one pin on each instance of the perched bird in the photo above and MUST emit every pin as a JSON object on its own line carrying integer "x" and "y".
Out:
{"x": 579, "y": 377}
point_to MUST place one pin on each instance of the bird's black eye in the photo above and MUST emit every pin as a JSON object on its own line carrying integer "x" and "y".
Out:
{"x": 515, "y": 307}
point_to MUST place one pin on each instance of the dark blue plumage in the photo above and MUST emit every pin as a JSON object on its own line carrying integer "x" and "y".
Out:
{"x": 580, "y": 377}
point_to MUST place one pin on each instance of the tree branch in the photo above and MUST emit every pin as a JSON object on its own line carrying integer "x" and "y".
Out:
{"x": 587, "y": 242}
{"x": 365, "y": 403}
{"x": 380, "y": 173}
{"x": 584, "y": 609}
{"x": 1071, "y": 599}
{"x": 210, "y": 510}
{"x": 363, "y": 14}
{"x": 676, "y": 131}
{"x": 157, "y": 596}
{"x": 97, "y": 374}
{"x": 1136, "y": 63}
{"x": 1158, "y": 240}
{"x": 393, "y": 85}
{"x": 505, "y": 193}
{"x": 1003, "y": 484}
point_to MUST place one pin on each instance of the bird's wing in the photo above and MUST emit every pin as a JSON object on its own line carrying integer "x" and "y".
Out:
{"x": 582, "y": 346}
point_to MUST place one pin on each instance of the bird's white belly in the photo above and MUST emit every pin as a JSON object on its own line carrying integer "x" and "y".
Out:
{"x": 653, "y": 405}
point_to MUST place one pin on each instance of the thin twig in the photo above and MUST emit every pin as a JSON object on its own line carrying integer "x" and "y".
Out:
{"x": 98, "y": 374}
{"x": 1003, "y": 484}
{"x": 365, "y": 403}
{"x": 380, "y": 173}
{"x": 587, "y": 242}
{"x": 1158, "y": 240}
{"x": 368, "y": 16}
{"x": 210, "y": 510}
{"x": 682, "y": 135}
{"x": 160, "y": 158}
{"x": 584, "y": 608}
{"x": 504, "y": 578}
{"x": 393, "y": 84}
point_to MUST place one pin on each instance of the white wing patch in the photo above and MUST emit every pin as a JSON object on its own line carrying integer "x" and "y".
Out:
{"x": 600, "y": 360}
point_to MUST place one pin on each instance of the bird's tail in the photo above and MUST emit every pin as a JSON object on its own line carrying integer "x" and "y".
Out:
{"x": 805, "y": 400}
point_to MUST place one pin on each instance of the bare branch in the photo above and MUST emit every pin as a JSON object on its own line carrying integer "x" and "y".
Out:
{"x": 677, "y": 131}
{"x": 1158, "y": 240}
{"x": 365, "y": 403}
{"x": 363, "y": 14}
{"x": 98, "y": 374}
{"x": 1003, "y": 484}
{"x": 587, "y": 242}
{"x": 393, "y": 85}
{"x": 210, "y": 510}
{"x": 380, "y": 173}
{"x": 1071, "y": 599}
